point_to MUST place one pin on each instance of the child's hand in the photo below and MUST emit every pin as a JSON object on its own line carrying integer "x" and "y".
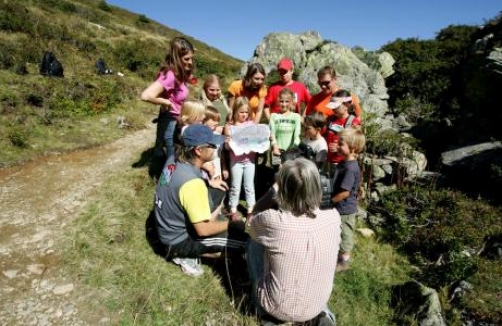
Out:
{"x": 219, "y": 130}
{"x": 333, "y": 147}
{"x": 209, "y": 168}
{"x": 218, "y": 184}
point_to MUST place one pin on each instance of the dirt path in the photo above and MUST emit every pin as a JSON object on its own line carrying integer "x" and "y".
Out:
{"x": 38, "y": 201}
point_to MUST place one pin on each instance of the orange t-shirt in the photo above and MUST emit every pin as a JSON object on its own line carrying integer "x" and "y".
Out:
{"x": 236, "y": 89}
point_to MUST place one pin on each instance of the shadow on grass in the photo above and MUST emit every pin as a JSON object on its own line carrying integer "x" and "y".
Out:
{"x": 233, "y": 274}
{"x": 154, "y": 162}
{"x": 152, "y": 236}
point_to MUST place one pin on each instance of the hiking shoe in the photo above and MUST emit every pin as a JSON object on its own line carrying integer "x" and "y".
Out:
{"x": 189, "y": 266}
{"x": 326, "y": 319}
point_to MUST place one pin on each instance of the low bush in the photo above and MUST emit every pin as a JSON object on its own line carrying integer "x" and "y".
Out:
{"x": 442, "y": 232}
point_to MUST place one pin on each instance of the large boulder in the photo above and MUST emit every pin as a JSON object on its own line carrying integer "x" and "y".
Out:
{"x": 310, "y": 52}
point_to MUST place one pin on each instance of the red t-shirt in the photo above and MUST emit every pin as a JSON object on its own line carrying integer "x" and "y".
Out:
{"x": 332, "y": 136}
{"x": 302, "y": 95}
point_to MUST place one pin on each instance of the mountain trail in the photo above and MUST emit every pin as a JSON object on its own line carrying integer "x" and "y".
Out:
{"x": 39, "y": 200}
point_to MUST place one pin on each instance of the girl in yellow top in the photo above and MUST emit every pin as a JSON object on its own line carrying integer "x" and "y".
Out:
{"x": 252, "y": 86}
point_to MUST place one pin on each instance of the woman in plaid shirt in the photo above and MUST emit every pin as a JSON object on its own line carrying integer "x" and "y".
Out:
{"x": 293, "y": 252}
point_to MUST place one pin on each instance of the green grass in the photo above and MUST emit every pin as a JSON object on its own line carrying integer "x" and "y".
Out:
{"x": 361, "y": 294}
{"x": 109, "y": 253}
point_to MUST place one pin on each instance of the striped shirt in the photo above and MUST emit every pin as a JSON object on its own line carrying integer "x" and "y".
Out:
{"x": 300, "y": 255}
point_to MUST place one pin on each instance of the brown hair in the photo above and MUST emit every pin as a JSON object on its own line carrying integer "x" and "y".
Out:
{"x": 212, "y": 114}
{"x": 326, "y": 70}
{"x": 316, "y": 120}
{"x": 178, "y": 47}
{"x": 252, "y": 70}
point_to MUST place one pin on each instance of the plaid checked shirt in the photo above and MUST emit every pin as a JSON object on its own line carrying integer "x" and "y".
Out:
{"x": 300, "y": 255}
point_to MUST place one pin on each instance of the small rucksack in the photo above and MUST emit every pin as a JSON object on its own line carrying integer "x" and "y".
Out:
{"x": 101, "y": 68}
{"x": 56, "y": 69}
{"x": 47, "y": 60}
{"x": 337, "y": 128}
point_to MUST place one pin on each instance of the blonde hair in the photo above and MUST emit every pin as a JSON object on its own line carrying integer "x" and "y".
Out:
{"x": 238, "y": 104}
{"x": 211, "y": 113}
{"x": 288, "y": 92}
{"x": 191, "y": 111}
{"x": 354, "y": 137}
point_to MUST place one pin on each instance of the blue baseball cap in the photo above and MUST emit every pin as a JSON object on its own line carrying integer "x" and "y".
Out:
{"x": 199, "y": 134}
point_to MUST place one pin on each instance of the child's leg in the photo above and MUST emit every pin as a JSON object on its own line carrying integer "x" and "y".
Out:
{"x": 347, "y": 243}
{"x": 249, "y": 172}
{"x": 237, "y": 170}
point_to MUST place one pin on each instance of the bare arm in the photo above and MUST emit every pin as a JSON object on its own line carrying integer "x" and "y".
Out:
{"x": 210, "y": 227}
{"x": 266, "y": 111}
{"x": 152, "y": 95}
{"x": 259, "y": 111}
{"x": 230, "y": 100}
{"x": 340, "y": 196}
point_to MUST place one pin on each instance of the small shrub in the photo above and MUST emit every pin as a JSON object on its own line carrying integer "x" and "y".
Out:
{"x": 439, "y": 230}
{"x": 35, "y": 100}
{"x": 18, "y": 138}
{"x": 104, "y": 6}
{"x": 15, "y": 18}
{"x": 386, "y": 141}
{"x": 142, "y": 19}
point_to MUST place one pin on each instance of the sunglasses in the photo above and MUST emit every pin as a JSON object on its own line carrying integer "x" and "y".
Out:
{"x": 324, "y": 83}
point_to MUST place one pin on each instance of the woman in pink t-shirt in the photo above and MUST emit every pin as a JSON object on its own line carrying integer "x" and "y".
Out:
{"x": 170, "y": 90}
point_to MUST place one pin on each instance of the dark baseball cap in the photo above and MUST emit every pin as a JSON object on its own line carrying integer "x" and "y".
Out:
{"x": 199, "y": 134}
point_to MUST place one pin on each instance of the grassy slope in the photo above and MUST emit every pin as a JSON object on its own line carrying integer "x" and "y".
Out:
{"x": 40, "y": 114}
{"x": 113, "y": 254}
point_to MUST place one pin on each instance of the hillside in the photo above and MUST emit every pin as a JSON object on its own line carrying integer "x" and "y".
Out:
{"x": 40, "y": 114}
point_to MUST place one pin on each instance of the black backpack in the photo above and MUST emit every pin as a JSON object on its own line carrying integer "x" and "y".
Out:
{"x": 50, "y": 66}
{"x": 47, "y": 59}
{"x": 56, "y": 69}
{"x": 101, "y": 67}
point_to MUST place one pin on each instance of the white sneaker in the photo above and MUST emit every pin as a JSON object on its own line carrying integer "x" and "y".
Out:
{"x": 189, "y": 266}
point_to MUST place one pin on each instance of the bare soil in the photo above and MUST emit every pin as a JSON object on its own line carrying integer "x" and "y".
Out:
{"x": 39, "y": 200}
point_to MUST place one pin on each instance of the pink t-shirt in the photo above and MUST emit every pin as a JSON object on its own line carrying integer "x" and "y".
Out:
{"x": 174, "y": 91}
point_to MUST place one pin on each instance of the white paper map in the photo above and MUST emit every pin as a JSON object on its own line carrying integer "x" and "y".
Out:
{"x": 253, "y": 138}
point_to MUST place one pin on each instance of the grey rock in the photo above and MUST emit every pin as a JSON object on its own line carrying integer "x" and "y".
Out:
{"x": 422, "y": 303}
{"x": 310, "y": 52}
{"x": 459, "y": 155}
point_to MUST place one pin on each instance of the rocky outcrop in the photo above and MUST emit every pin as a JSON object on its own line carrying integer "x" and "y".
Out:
{"x": 482, "y": 78}
{"x": 474, "y": 155}
{"x": 418, "y": 301}
{"x": 310, "y": 52}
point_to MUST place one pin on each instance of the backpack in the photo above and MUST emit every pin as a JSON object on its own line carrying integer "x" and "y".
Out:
{"x": 327, "y": 190}
{"x": 56, "y": 69}
{"x": 337, "y": 128}
{"x": 47, "y": 60}
{"x": 101, "y": 68}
